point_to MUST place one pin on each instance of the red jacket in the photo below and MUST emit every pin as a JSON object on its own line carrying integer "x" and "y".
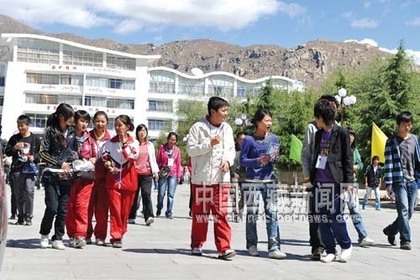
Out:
{"x": 122, "y": 157}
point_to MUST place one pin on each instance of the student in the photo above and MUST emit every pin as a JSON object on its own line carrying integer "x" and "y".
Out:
{"x": 169, "y": 156}
{"x": 23, "y": 147}
{"x": 353, "y": 201}
{"x": 332, "y": 167}
{"x": 98, "y": 203}
{"x": 402, "y": 160}
{"x": 212, "y": 150}
{"x": 147, "y": 171}
{"x": 77, "y": 210}
{"x": 118, "y": 157}
{"x": 373, "y": 178}
{"x": 58, "y": 150}
{"x": 260, "y": 181}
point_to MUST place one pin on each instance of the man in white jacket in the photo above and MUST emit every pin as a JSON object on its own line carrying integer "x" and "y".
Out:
{"x": 212, "y": 150}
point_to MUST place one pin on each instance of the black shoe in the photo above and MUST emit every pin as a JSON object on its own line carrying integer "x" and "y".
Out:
{"x": 19, "y": 223}
{"x": 391, "y": 238}
{"x": 158, "y": 212}
{"x": 169, "y": 216}
{"x": 13, "y": 217}
{"x": 28, "y": 222}
{"x": 317, "y": 253}
{"x": 405, "y": 246}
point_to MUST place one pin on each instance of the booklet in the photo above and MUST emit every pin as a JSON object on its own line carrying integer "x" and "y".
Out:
{"x": 273, "y": 151}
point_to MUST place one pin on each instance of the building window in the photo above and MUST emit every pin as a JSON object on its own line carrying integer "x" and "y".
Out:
{"x": 37, "y": 51}
{"x": 39, "y": 120}
{"x": 2, "y": 81}
{"x": 115, "y": 83}
{"x": 40, "y": 98}
{"x": 191, "y": 87}
{"x": 116, "y": 62}
{"x": 160, "y": 106}
{"x": 78, "y": 56}
{"x": 120, "y": 104}
{"x": 162, "y": 82}
{"x": 154, "y": 124}
{"x": 95, "y": 101}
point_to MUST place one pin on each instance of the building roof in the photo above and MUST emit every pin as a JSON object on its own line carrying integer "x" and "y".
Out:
{"x": 8, "y": 36}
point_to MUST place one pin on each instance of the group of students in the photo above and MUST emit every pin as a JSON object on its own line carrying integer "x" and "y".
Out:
{"x": 112, "y": 171}
{"x": 123, "y": 166}
{"x": 330, "y": 163}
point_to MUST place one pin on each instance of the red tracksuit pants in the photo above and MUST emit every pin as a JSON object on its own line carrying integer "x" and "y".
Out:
{"x": 98, "y": 205}
{"x": 120, "y": 202}
{"x": 214, "y": 198}
{"x": 77, "y": 208}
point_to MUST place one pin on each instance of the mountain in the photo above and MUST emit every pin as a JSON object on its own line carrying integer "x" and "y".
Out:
{"x": 311, "y": 62}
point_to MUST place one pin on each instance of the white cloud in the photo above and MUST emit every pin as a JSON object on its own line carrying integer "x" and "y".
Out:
{"x": 365, "y": 23}
{"x": 131, "y": 15}
{"x": 415, "y": 55}
{"x": 413, "y": 22}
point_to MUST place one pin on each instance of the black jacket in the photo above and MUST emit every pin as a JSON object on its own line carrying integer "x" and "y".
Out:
{"x": 340, "y": 157}
{"x": 32, "y": 139}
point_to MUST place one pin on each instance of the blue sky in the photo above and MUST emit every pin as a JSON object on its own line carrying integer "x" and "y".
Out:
{"x": 240, "y": 22}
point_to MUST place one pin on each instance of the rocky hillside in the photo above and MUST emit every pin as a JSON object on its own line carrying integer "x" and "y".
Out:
{"x": 311, "y": 62}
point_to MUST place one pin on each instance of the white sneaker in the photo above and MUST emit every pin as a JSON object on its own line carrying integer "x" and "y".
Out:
{"x": 58, "y": 244}
{"x": 367, "y": 242}
{"x": 44, "y": 242}
{"x": 345, "y": 254}
{"x": 252, "y": 250}
{"x": 72, "y": 242}
{"x": 149, "y": 221}
{"x": 100, "y": 242}
{"x": 328, "y": 258}
{"x": 277, "y": 254}
{"x": 196, "y": 251}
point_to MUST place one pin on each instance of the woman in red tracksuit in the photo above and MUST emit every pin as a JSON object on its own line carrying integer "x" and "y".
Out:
{"x": 77, "y": 208}
{"x": 98, "y": 203}
{"x": 118, "y": 156}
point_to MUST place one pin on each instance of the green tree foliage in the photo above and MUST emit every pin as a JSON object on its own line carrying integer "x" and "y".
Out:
{"x": 383, "y": 90}
{"x": 188, "y": 112}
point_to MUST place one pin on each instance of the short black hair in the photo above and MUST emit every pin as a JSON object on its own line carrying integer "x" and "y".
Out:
{"x": 330, "y": 98}
{"x": 81, "y": 114}
{"x": 260, "y": 114}
{"x": 215, "y": 103}
{"x": 405, "y": 116}
{"x": 325, "y": 109}
{"x": 375, "y": 158}
{"x": 352, "y": 132}
{"x": 24, "y": 119}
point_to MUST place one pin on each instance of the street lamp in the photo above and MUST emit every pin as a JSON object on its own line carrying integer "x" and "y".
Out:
{"x": 344, "y": 101}
{"x": 242, "y": 121}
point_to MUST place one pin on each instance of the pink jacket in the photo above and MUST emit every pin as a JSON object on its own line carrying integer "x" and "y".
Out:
{"x": 162, "y": 160}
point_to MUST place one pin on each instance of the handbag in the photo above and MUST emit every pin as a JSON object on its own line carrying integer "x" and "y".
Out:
{"x": 30, "y": 168}
{"x": 164, "y": 172}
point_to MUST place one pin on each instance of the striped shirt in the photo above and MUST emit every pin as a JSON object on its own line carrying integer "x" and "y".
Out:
{"x": 394, "y": 169}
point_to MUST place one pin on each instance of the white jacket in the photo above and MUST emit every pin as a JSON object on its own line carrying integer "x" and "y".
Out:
{"x": 205, "y": 159}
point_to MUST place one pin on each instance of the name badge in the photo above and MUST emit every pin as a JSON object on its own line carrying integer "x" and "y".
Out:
{"x": 170, "y": 162}
{"x": 321, "y": 162}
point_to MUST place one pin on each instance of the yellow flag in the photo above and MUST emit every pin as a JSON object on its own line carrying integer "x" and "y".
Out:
{"x": 378, "y": 143}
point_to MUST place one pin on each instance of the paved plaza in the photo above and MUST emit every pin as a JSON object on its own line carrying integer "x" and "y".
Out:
{"x": 161, "y": 251}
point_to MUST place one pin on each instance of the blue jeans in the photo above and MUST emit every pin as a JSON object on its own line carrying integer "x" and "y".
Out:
{"x": 333, "y": 227}
{"x": 252, "y": 198}
{"x": 356, "y": 217}
{"x": 405, "y": 199}
{"x": 166, "y": 185}
{"x": 377, "y": 197}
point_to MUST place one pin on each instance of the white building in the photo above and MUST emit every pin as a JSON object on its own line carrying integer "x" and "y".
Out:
{"x": 38, "y": 72}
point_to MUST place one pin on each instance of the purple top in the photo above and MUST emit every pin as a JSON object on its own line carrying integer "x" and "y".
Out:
{"x": 324, "y": 175}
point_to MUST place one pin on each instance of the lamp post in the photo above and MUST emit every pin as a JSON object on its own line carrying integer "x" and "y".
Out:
{"x": 242, "y": 121}
{"x": 344, "y": 101}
